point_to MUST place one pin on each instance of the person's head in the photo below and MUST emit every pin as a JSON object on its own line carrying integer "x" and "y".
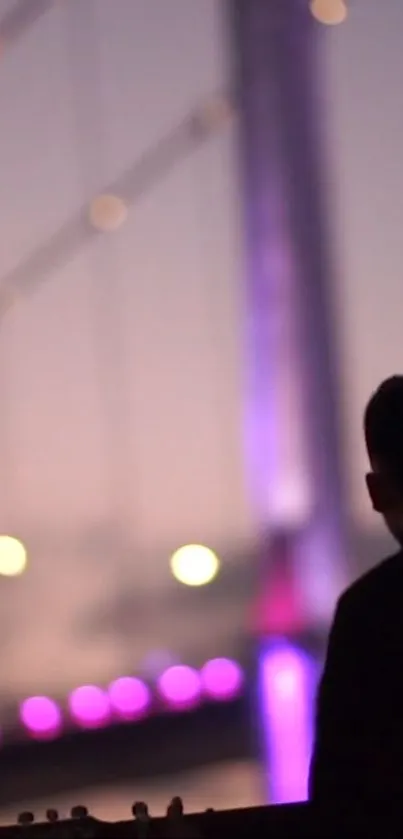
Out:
{"x": 383, "y": 428}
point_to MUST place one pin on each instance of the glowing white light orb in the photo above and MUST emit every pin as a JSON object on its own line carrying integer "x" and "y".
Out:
{"x": 13, "y": 556}
{"x": 107, "y": 213}
{"x": 329, "y": 12}
{"x": 194, "y": 565}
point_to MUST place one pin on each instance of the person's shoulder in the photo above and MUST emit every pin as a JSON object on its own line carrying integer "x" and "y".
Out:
{"x": 375, "y": 583}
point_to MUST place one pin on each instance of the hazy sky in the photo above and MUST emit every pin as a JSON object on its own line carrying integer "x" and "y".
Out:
{"x": 121, "y": 374}
{"x": 365, "y": 129}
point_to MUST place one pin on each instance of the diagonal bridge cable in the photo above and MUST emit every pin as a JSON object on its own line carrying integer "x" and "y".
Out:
{"x": 155, "y": 164}
{"x": 19, "y": 19}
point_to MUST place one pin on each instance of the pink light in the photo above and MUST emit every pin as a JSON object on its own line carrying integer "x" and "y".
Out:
{"x": 180, "y": 686}
{"x": 41, "y": 716}
{"x": 221, "y": 678}
{"x": 278, "y": 611}
{"x": 286, "y": 688}
{"x": 90, "y": 706}
{"x": 129, "y": 697}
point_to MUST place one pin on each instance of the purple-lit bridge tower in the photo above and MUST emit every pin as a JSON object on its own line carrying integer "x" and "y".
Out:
{"x": 292, "y": 425}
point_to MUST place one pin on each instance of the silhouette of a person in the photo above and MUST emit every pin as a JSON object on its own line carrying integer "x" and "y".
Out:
{"x": 358, "y": 751}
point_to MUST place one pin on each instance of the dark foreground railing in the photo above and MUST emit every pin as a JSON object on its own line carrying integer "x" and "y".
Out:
{"x": 291, "y": 821}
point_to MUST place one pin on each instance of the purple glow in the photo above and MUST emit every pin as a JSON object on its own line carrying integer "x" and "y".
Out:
{"x": 180, "y": 686}
{"x": 90, "y": 706}
{"x": 286, "y": 681}
{"x": 221, "y": 678}
{"x": 129, "y": 697}
{"x": 41, "y": 716}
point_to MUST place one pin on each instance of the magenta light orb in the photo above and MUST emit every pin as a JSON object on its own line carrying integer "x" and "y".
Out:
{"x": 41, "y": 716}
{"x": 90, "y": 706}
{"x": 180, "y": 687}
{"x": 221, "y": 678}
{"x": 129, "y": 697}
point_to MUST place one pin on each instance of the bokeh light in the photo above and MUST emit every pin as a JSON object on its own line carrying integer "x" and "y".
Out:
{"x": 129, "y": 697}
{"x": 287, "y": 677}
{"x": 107, "y": 213}
{"x": 90, "y": 706}
{"x": 41, "y": 716}
{"x": 13, "y": 556}
{"x": 329, "y": 12}
{"x": 180, "y": 687}
{"x": 194, "y": 565}
{"x": 221, "y": 678}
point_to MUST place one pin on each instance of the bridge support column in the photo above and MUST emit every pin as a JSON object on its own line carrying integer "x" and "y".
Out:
{"x": 292, "y": 428}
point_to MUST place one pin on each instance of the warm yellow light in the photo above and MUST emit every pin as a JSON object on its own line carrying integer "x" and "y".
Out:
{"x": 329, "y": 12}
{"x": 107, "y": 213}
{"x": 194, "y": 565}
{"x": 13, "y": 556}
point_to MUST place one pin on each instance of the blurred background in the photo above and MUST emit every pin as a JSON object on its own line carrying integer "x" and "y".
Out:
{"x": 201, "y": 205}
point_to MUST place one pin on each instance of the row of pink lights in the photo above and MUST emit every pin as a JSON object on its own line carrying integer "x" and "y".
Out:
{"x": 128, "y": 698}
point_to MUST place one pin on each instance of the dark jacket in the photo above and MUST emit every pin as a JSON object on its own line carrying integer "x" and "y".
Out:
{"x": 358, "y": 752}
